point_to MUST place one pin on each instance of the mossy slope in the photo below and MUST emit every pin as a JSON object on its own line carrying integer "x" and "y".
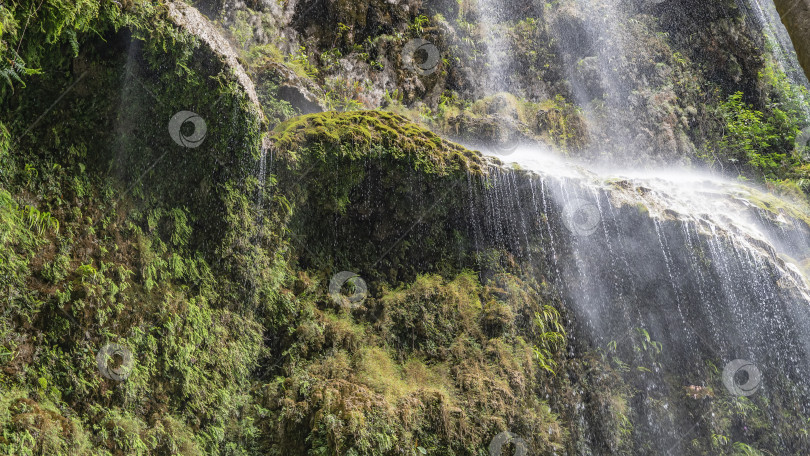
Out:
{"x": 359, "y": 132}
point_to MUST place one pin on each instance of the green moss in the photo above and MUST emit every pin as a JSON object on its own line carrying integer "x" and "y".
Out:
{"x": 96, "y": 250}
{"x": 776, "y": 206}
{"x": 29, "y": 425}
{"x": 354, "y": 134}
{"x": 425, "y": 373}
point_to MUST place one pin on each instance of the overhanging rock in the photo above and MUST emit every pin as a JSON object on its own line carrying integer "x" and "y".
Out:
{"x": 192, "y": 21}
{"x": 795, "y": 15}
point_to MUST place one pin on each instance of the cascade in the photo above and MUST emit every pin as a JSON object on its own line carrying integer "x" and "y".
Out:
{"x": 710, "y": 268}
{"x": 494, "y": 47}
{"x": 713, "y": 269}
{"x": 603, "y": 73}
{"x": 353, "y": 282}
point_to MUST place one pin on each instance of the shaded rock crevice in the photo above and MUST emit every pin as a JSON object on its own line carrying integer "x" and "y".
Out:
{"x": 795, "y": 15}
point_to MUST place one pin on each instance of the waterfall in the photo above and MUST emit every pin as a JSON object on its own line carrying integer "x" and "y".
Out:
{"x": 497, "y": 52}
{"x": 598, "y": 65}
{"x": 524, "y": 298}
{"x": 712, "y": 269}
{"x": 767, "y": 18}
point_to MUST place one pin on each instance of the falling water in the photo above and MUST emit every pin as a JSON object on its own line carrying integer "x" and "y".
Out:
{"x": 599, "y": 65}
{"x": 497, "y": 52}
{"x": 779, "y": 43}
{"x": 767, "y": 18}
{"x": 262, "y": 172}
{"x": 713, "y": 269}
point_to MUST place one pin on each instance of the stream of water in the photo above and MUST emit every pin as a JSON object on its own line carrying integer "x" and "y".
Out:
{"x": 690, "y": 259}
{"x": 713, "y": 269}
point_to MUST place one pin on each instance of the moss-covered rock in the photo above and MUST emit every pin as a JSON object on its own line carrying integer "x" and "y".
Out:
{"x": 358, "y": 135}
{"x": 213, "y": 264}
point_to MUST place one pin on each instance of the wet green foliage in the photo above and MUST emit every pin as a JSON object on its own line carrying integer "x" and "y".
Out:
{"x": 352, "y": 135}
{"x": 764, "y": 142}
{"x": 194, "y": 272}
{"x": 215, "y": 275}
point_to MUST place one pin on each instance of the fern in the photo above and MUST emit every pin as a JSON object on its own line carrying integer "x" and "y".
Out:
{"x": 719, "y": 440}
{"x": 743, "y": 449}
{"x": 39, "y": 221}
{"x": 13, "y": 68}
{"x": 74, "y": 41}
{"x": 647, "y": 344}
{"x": 552, "y": 337}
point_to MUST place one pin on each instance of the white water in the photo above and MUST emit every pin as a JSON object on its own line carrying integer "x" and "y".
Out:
{"x": 715, "y": 204}
{"x": 715, "y": 268}
{"x": 687, "y": 256}
{"x": 497, "y": 50}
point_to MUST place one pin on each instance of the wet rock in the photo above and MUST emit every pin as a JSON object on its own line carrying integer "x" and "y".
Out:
{"x": 191, "y": 20}
{"x": 300, "y": 93}
{"x": 587, "y": 75}
{"x": 796, "y": 17}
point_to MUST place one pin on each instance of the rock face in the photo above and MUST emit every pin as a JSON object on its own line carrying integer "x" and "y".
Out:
{"x": 708, "y": 268}
{"x": 300, "y": 93}
{"x": 795, "y": 15}
{"x": 191, "y": 20}
{"x": 669, "y": 65}
{"x": 485, "y": 305}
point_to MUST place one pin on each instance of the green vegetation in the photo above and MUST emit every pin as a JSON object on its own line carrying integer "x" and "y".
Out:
{"x": 417, "y": 377}
{"x": 765, "y": 142}
{"x": 227, "y": 318}
{"x": 762, "y": 142}
{"x": 353, "y": 134}
{"x": 213, "y": 271}
{"x": 552, "y": 337}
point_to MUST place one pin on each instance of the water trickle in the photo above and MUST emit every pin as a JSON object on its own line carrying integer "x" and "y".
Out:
{"x": 767, "y": 18}
{"x": 262, "y": 173}
{"x": 684, "y": 258}
{"x": 496, "y": 48}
